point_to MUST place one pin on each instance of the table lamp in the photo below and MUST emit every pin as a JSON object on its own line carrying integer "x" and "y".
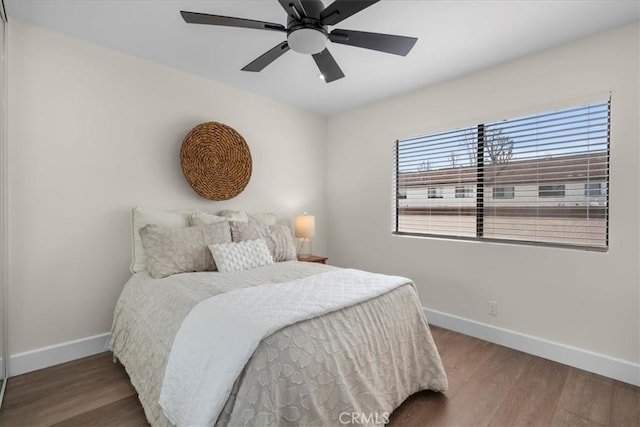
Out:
{"x": 305, "y": 229}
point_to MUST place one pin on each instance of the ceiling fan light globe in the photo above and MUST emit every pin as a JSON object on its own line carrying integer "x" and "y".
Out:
{"x": 307, "y": 40}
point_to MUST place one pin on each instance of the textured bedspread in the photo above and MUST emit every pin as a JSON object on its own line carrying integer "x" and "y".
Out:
{"x": 364, "y": 359}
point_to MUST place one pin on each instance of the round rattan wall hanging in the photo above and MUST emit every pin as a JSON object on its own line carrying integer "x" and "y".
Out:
{"x": 216, "y": 161}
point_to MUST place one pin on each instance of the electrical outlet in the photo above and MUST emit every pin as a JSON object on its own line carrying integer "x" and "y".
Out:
{"x": 493, "y": 308}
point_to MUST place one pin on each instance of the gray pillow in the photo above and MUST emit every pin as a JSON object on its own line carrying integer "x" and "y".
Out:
{"x": 181, "y": 250}
{"x": 278, "y": 238}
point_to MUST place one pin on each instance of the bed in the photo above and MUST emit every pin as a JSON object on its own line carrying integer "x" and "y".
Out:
{"x": 352, "y": 364}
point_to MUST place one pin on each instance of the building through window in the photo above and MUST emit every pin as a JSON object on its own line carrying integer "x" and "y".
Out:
{"x": 539, "y": 179}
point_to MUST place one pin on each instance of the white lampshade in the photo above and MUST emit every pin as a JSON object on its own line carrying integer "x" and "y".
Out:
{"x": 305, "y": 226}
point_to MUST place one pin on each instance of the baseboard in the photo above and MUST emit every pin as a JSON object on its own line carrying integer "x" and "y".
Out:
{"x": 40, "y": 358}
{"x": 601, "y": 364}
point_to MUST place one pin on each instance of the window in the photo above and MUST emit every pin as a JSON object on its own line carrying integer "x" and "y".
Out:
{"x": 434, "y": 193}
{"x": 538, "y": 179}
{"x": 551, "y": 190}
{"x": 464, "y": 192}
{"x": 402, "y": 194}
{"x": 503, "y": 192}
{"x": 595, "y": 189}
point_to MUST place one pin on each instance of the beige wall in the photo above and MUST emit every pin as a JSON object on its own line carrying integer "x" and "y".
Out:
{"x": 584, "y": 299}
{"x": 94, "y": 132}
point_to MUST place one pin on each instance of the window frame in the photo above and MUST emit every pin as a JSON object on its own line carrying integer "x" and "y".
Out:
{"x": 437, "y": 193}
{"x": 601, "y": 189}
{"x": 502, "y": 188}
{"x": 552, "y": 191}
{"x": 480, "y": 198}
{"x": 463, "y": 192}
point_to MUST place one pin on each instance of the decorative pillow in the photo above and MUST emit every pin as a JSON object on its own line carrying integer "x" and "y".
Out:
{"x": 239, "y": 256}
{"x": 142, "y": 216}
{"x": 239, "y": 216}
{"x": 278, "y": 238}
{"x": 202, "y": 218}
{"x": 181, "y": 250}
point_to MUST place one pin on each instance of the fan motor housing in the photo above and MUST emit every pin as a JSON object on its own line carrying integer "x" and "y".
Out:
{"x": 306, "y": 35}
{"x": 312, "y": 10}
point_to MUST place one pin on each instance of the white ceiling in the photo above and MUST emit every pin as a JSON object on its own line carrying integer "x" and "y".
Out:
{"x": 455, "y": 38}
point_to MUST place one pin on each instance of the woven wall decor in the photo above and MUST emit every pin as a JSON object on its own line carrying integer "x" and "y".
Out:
{"x": 216, "y": 161}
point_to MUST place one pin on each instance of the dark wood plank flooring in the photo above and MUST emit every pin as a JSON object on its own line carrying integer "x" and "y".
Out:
{"x": 489, "y": 385}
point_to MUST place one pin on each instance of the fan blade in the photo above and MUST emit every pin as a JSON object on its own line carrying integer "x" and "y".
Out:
{"x": 228, "y": 21}
{"x": 340, "y": 10}
{"x": 328, "y": 66}
{"x": 398, "y": 45}
{"x": 267, "y": 58}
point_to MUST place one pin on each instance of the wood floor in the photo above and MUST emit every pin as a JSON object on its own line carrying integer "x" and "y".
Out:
{"x": 489, "y": 385}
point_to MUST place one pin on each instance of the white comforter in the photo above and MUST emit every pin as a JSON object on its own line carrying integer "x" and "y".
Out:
{"x": 220, "y": 334}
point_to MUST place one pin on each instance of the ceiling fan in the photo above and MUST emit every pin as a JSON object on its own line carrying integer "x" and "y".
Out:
{"x": 307, "y": 33}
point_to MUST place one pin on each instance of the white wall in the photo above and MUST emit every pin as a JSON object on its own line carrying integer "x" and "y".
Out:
{"x": 583, "y": 299}
{"x": 94, "y": 132}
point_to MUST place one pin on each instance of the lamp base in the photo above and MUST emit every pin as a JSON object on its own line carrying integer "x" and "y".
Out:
{"x": 302, "y": 253}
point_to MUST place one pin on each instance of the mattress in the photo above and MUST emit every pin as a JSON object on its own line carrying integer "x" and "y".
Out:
{"x": 363, "y": 360}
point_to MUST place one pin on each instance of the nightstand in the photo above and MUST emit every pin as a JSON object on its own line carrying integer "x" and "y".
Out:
{"x": 314, "y": 258}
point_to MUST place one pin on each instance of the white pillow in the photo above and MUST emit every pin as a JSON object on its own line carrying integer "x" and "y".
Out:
{"x": 240, "y": 256}
{"x": 239, "y": 216}
{"x": 203, "y": 218}
{"x": 142, "y": 216}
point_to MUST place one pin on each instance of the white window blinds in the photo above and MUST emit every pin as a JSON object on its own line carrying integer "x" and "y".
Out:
{"x": 540, "y": 179}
